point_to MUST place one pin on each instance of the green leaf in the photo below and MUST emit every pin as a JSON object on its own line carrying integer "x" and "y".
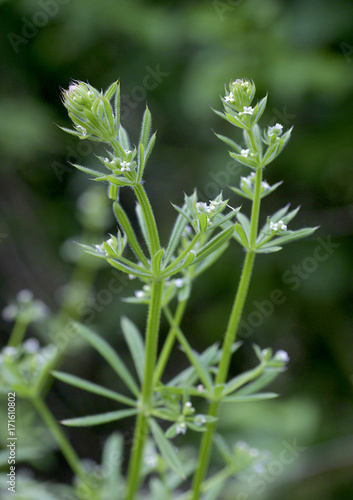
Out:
{"x": 189, "y": 259}
{"x": 117, "y": 109}
{"x": 229, "y": 142}
{"x": 112, "y": 459}
{"x": 156, "y": 262}
{"x": 243, "y": 378}
{"x": 174, "y": 238}
{"x": 243, "y": 237}
{"x": 102, "y": 418}
{"x": 234, "y": 120}
{"x": 88, "y": 171}
{"x": 136, "y": 345}
{"x": 146, "y": 128}
{"x": 109, "y": 355}
{"x": 133, "y": 269}
{"x": 141, "y": 161}
{"x": 214, "y": 244}
{"x": 93, "y": 388}
{"x": 241, "y": 193}
{"x": 268, "y": 249}
{"x": 208, "y": 261}
{"x": 150, "y": 146}
{"x": 127, "y": 228}
{"x": 108, "y": 94}
{"x": 69, "y": 131}
{"x": 124, "y": 138}
{"x": 166, "y": 448}
{"x": 245, "y": 223}
{"x": 142, "y": 224}
{"x": 250, "y": 398}
{"x": 264, "y": 380}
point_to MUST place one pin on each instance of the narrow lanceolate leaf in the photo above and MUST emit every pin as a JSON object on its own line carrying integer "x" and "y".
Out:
{"x": 250, "y": 398}
{"x": 112, "y": 459}
{"x": 141, "y": 161}
{"x": 245, "y": 223}
{"x": 174, "y": 238}
{"x": 214, "y": 244}
{"x": 241, "y": 193}
{"x": 156, "y": 262}
{"x": 243, "y": 237}
{"x": 109, "y": 355}
{"x": 88, "y": 171}
{"x": 69, "y": 131}
{"x": 146, "y": 128}
{"x": 108, "y": 94}
{"x": 124, "y": 138}
{"x": 189, "y": 259}
{"x": 127, "y": 228}
{"x": 229, "y": 142}
{"x": 136, "y": 345}
{"x": 102, "y": 418}
{"x": 93, "y": 388}
{"x": 117, "y": 109}
{"x": 166, "y": 449}
{"x": 151, "y": 142}
{"x": 132, "y": 269}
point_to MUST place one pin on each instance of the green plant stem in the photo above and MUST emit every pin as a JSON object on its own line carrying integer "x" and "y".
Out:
{"x": 168, "y": 345}
{"x": 230, "y": 336}
{"x": 149, "y": 218}
{"x": 18, "y": 332}
{"x": 65, "y": 446}
{"x": 141, "y": 429}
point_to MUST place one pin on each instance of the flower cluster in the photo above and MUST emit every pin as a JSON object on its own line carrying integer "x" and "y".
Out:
{"x": 240, "y": 96}
{"x": 26, "y": 308}
{"x": 90, "y": 111}
{"x": 278, "y": 227}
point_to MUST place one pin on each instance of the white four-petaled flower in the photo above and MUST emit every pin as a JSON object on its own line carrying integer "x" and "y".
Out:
{"x": 245, "y": 152}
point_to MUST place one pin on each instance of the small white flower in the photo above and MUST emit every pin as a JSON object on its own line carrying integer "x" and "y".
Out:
{"x": 125, "y": 166}
{"x": 276, "y": 129}
{"x": 200, "y": 388}
{"x": 273, "y": 226}
{"x": 282, "y": 356}
{"x": 178, "y": 282}
{"x": 131, "y": 277}
{"x": 31, "y": 345}
{"x": 229, "y": 98}
{"x": 25, "y": 296}
{"x": 265, "y": 185}
{"x": 9, "y": 351}
{"x": 248, "y": 110}
{"x": 245, "y": 152}
{"x": 282, "y": 226}
{"x": 10, "y": 312}
{"x": 199, "y": 420}
{"x": 139, "y": 294}
{"x": 181, "y": 428}
{"x": 151, "y": 460}
{"x": 110, "y": 242}
{"x": 81, "y": 130}
{"x": 40, "y": 309}
{"x": 100, "y": 248}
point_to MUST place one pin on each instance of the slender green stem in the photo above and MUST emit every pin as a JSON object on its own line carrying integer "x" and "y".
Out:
{"x": 230, "y": 336}
{"x": 149, "y": 218}
{"x": 168, "y": 345}
{"x": 64, "y": 444}
{"x": 141, "y": 430}
{"x": 18, "y": 332}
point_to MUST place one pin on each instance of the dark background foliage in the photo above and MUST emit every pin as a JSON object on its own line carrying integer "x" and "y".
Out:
{"x": 301, "y": 53}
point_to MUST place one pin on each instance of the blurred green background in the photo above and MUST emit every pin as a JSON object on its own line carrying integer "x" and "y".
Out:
{"x": 177, "y": 55}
